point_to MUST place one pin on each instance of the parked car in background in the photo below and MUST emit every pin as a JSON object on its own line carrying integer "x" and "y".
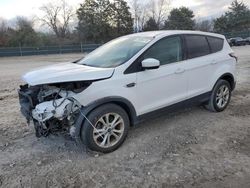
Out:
{"x": 127, "y": 80}
{"x": 247, "y": 40}
{"x": 237, "y": 41}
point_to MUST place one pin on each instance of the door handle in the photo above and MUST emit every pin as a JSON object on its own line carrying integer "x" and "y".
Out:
{"x": 131, "y": 84}
{"x": 179, "y": 71}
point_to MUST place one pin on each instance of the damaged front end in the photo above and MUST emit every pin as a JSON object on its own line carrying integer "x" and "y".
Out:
{"x": 51, "y": 107}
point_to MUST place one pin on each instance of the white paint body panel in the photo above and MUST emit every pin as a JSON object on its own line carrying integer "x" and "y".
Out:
{"x": 66, "y": 72}
{"x": 161, "y": 87}
{"x": 113, "y": 87}
{"x": 154, "y": 89}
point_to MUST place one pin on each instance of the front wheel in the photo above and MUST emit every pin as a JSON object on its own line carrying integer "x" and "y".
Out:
{"x": 220, "y": 96}
{"x": 106, "y": 129}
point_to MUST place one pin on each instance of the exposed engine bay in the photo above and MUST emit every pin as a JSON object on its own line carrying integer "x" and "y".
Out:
{"x": 51, "y": 107}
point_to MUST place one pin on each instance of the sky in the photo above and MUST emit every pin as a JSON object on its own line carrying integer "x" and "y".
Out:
{"x": 29, "y": 8}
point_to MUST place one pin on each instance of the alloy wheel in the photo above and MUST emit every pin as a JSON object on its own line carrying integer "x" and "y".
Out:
{"x": 108, "y": 130}
{"x": 222, "y": 96}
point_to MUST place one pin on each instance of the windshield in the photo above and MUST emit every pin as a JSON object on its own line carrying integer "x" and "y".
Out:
{"x": 115, "y": 52}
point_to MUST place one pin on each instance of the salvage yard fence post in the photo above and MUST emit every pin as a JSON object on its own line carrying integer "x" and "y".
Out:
{"x": 20, "y": 49}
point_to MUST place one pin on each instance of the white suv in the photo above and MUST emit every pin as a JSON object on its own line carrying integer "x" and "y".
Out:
{"x": 96, "y": 99}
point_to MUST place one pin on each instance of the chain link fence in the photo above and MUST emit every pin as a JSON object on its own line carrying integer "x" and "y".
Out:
{"x": 243, "y": 34}
{"x": 45, "y": 50}
{"x": 79, "y": 48}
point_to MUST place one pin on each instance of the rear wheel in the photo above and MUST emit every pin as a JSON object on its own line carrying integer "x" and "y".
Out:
{"x": 106, "y": 129}
{"x": 220, "y": 96}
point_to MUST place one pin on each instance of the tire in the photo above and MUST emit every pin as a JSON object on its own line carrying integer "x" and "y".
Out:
{"x": 218, "y": 101}
{"x": 94, "y": 138}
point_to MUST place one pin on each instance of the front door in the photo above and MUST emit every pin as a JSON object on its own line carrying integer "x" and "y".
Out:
{"x": 158, "y": 88}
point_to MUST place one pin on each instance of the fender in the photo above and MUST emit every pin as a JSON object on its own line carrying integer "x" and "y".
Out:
{"x": 230, "y": 78}
{"x": 225, "y": 70}
{"x": 124, "y": 103}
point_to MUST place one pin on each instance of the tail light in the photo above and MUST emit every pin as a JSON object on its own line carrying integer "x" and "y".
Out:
{"x": 233, "y": 56}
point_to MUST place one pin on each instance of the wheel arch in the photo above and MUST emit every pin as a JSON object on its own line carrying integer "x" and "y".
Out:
{"x": 228, "y": 77}
{"x": 120, "y": 101}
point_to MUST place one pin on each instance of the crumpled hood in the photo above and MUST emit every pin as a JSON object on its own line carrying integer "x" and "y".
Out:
{"x": 66, "y": 72}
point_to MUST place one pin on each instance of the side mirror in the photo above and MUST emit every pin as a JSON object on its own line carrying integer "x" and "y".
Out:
{"x": 150, "y": 63}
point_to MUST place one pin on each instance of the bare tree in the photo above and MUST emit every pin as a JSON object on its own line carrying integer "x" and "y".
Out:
{"x": 3, "y": 32}
{"x": 204, "y": 25}
{"x": 3, "y": 26}
{"x": 23, "y": 22}
{"x": 139, "y": 13}
{"x": 57, "y": 16}
{"x": 159, "y": 9}
{"x": 136, "y": 8}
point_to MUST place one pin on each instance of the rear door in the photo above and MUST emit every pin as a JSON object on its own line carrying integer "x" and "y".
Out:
{"x": 202, "y": 60}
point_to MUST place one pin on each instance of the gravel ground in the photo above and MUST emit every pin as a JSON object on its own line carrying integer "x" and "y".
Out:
{"x": 189, "y": 148}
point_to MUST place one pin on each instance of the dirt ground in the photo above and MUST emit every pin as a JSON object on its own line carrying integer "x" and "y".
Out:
{"x": 190, "y": 148}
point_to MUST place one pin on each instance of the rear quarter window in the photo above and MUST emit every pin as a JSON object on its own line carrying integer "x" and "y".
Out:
{"x": 216, "y": 44}
{"x": 197, "y": 46}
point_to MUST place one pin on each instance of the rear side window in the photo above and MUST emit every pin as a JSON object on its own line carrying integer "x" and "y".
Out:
{"x": 167, "y": 50}
{"x": 197, "y": 46}
{"x": 216, "y": 44}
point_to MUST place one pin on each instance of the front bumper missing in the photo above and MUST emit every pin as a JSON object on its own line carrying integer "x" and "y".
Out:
{"x": 26, "y": 104}
{"x": 59, "y": 108}
{"x": 52, "y": 115}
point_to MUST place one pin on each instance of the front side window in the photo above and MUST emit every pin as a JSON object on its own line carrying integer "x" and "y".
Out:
{"x": 197, "y": 46}
{"x": 167, "y": 50}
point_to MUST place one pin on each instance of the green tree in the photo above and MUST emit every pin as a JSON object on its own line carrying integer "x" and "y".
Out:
{"x": 122, "y": 18}
{"x": 180, "y": 18}
{"x": 221, "y": 24}
{"x": 101, "y": 20}
{"x": 151, "y": 25}
{"x": 93, "y": 16}
{"x": 236, "y": 19}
